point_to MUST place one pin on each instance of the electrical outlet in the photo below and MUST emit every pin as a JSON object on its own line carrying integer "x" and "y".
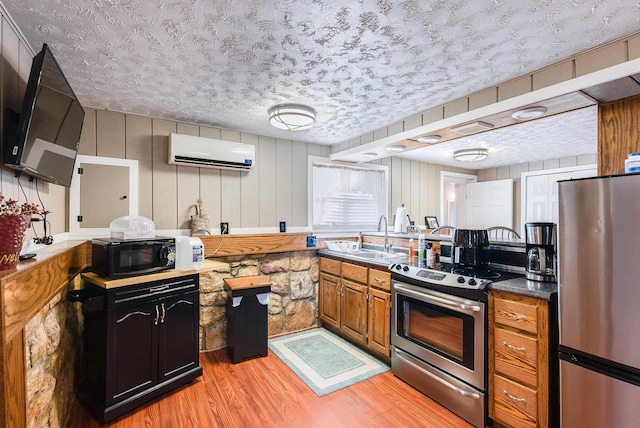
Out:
{"x": 224, "y": 228}
{"x": 283, "y": 226}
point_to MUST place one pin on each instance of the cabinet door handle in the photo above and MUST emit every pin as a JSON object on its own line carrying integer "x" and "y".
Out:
{"x": 155, "y": 321}
{"x": 514, "y": 348}
{"x": 163, "y": 314}
{"x": 514, "y": 316}
{"x": 514, "y": 398}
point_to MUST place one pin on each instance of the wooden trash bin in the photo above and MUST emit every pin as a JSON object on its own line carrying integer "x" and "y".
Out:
{"x": 247, "y": 309}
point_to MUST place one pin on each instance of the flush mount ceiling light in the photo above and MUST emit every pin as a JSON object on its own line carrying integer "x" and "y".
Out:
{"x": 470, "y": 155}
{"x": 370, "y": 155}
{"x": 472, "y": 128}
{"x": 395, "y": 148}
{"x": 429, "y": 139}
{"x": 292, "y": 117}
{"x": 529, "y": 113}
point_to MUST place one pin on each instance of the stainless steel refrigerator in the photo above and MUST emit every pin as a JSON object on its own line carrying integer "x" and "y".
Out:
{"x": 599, "y": 301}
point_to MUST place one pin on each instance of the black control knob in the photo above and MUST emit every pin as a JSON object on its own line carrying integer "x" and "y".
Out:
{"x": 406, "y": 268}
{"x": 460, "y": 279}
{"x": 472, "y": 282}
{"x": 398, "y": 267}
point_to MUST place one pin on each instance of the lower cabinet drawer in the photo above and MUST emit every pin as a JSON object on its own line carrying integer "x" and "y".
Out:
{"x": 515, "y": 405}
{"x": 516, "y": 356}
{"x": 355, "y": 272}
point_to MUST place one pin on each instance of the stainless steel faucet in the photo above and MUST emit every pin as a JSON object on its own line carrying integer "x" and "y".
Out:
{"x": 386, "y": 232}
{"x": 416, "y": 227}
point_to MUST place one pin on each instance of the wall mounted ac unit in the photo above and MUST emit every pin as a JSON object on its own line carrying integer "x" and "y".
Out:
{"x": 188, "y": 150}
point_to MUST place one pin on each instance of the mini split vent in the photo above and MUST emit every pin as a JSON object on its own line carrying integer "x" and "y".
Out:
{"x": 188, "y": 150}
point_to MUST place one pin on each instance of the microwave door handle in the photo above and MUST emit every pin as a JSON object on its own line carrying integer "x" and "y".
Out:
{"x": 437, "y": 300}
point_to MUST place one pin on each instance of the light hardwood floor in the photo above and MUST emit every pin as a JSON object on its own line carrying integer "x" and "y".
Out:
{"x": 264, "y": 392}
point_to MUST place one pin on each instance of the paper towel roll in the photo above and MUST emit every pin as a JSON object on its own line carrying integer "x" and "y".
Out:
{"x": 402, "y": 221}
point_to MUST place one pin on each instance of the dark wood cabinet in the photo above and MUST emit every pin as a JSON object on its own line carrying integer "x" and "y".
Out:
{"x": 140, "y": 341}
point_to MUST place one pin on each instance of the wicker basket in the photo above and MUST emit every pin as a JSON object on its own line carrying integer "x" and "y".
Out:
{"x": 12, "y": 231}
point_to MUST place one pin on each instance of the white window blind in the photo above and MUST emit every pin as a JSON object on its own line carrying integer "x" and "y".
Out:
{"x": 346, "y": 197}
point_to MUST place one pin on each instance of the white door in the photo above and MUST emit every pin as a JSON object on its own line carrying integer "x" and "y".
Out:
{"x": 489, "y": 203}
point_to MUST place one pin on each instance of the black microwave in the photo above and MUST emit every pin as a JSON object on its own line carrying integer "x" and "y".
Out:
{"x": 119, "y": 258}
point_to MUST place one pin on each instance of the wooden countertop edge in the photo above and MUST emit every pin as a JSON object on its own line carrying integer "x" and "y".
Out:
{"x": 28, "y": 288}
{"x": 207, "y": 266}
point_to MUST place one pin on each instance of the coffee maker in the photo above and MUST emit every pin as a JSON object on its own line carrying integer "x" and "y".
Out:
{"x": 540, "y": 241}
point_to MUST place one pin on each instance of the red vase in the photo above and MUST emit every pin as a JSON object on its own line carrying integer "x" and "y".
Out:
{"x": 12, "y": 231}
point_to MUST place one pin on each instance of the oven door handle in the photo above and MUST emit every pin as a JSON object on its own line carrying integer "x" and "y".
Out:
{"x": 462, "y": 392}
{"x": 437, "y": 300}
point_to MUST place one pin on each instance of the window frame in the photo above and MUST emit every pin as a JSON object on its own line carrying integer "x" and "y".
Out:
{"x": 363, "y": 166}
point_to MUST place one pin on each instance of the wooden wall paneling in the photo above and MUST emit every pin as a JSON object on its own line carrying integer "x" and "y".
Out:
{"x": 423, "y": 178}
{"x": 268, "y": 182}
{"x": 11, "y": 95}
{"x": 250, "y": 187}
{"x": 284, "y": 178}
{"x": 55, "y": 199}
{"x": 618, "y": 124}
{"x": 396, "y": 187}
{"x": 406, "y": 185}
{"x": 388, "y": 163}
{"x": 414, "y": 204}
{"x": 188, "y": 183}
{"x": 230, "y": 187}
{"x": 165, "y": 189}
{"x": 434, "y": 190}
{"x": 110, "y": 134}
{"x": 210, "y": 184}
{"x": 255, "y": 243}
{"x": 326, "y": 151}
{"x": 87, "y": 144}
{"x": 24, "y": 66}
{"x": 314, "y": 149}
{"x": 15, "y": 379}
{"x": 140, "y": 147}
{"x": 299, "y": 184}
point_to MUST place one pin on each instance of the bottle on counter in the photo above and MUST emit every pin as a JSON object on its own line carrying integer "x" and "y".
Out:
{"x": 434, "y": 256}
{"x": 427, "y": 254}
{"x": 422, "y": 248}
{"x": 411, "y": 251}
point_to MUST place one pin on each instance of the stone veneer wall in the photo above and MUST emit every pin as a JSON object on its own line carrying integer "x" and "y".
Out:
{"x": 293, "y": 302}
{"x": 53, "y": 346}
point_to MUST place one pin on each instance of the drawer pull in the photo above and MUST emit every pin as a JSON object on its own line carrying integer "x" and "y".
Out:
{"x": 514, "y": 348}
{"x": 514, "y": 398}
{"x": 376, "y": 279}
{"x": 514, "y": 316}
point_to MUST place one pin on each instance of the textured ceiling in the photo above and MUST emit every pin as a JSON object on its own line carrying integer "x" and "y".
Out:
{"x": 568, "y": 134}
{"x": 361, "y": 64}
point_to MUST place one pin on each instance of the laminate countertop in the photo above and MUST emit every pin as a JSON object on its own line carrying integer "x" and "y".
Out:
{"x": 519, "y": 285}
{"x": 526, "y": 287}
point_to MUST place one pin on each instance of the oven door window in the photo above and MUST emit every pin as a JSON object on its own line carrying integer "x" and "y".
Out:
{"x": 442, "y": 330}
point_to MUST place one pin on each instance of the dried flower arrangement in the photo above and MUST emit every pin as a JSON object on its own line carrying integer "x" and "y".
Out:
{"x": 11, "y": 207}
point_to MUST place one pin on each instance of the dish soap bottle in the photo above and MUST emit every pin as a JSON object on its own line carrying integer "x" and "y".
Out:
{"x": 411, "y": 250}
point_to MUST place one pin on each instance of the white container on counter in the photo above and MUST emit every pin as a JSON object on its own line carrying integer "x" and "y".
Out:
{"x": 189, "y": 253}
{"x": 632, "y": 163}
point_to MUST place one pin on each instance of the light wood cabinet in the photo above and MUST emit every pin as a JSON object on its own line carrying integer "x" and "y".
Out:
{"x": 329, "y": 285}
{"x": 522, "y": 361}
{"x": 354, "y": 310}
{"x": 355, "y": 301}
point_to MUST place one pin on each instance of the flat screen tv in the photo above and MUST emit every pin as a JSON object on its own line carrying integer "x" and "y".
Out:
{"x": 43, "y": 140}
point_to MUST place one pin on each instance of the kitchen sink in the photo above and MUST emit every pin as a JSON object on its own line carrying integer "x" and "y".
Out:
{"x": 374, "y": 254}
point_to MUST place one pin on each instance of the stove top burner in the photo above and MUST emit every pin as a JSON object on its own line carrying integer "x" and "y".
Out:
{"x": 476, "y": 272}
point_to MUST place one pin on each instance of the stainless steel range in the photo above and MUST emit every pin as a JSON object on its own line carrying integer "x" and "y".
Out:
{"x": 439, "y": 335}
